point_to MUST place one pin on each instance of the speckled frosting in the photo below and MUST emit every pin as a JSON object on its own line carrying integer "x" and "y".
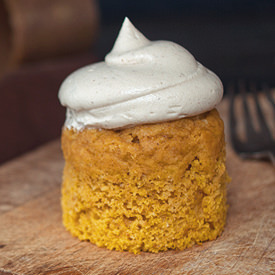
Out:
{"x": 140, "y": 82}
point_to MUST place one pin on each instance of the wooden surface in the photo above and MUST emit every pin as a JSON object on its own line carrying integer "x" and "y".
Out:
{"x": 33, "y": 240}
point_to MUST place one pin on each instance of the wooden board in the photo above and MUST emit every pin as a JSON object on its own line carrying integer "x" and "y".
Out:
{"x": 33, "y": 240}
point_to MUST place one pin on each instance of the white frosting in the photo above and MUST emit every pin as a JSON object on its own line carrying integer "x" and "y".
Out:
{"x": 140, "y": 82}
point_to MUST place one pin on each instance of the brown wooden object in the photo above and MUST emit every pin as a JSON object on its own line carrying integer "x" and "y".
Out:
{"x": 30, "y": 112}
{"x": 37, "y": 29}
{"x": 33, "y": 240}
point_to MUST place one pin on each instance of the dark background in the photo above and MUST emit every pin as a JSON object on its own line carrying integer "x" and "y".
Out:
{"x": 233, "y": 38}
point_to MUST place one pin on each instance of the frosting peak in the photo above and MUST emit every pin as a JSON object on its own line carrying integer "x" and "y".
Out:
{"x": 129, "y": 38}
{"x": 132, "y": 47}
{"x": 141, "y": 81}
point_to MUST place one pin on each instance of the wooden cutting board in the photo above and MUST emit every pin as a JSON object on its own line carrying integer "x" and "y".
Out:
{"x": 33, "y": 240}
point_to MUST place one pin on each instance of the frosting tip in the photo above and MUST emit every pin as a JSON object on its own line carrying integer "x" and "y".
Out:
{"x": 129, "y": 38}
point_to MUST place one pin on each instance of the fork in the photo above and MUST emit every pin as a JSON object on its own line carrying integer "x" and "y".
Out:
{"x": 259, "y": 144}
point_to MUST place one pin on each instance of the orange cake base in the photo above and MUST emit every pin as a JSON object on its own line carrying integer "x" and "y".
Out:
{"x": 147, "y": 188}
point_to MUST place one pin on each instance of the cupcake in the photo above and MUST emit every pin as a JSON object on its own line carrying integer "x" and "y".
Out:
{"x": 144, "y": 148}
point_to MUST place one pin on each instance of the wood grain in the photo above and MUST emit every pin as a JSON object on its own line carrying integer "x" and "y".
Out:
{"x": 33, "y": 240}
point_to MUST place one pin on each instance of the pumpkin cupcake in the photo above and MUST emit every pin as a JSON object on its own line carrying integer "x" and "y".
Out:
{"x": 144, "y": 148}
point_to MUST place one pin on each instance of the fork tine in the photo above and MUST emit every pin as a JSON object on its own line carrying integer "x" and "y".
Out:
{"x": 261, "y": 118}
{"x": 267, "y": 90}
{"x": 232, "y": 117}
{"x": 247, "y": 115}
{"x": 231, "y": 90}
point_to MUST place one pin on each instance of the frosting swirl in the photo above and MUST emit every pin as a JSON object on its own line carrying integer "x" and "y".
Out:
{"x": 140, "y": 82}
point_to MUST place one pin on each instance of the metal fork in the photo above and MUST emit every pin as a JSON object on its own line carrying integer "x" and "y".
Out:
{"x": 259, "y": 144}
